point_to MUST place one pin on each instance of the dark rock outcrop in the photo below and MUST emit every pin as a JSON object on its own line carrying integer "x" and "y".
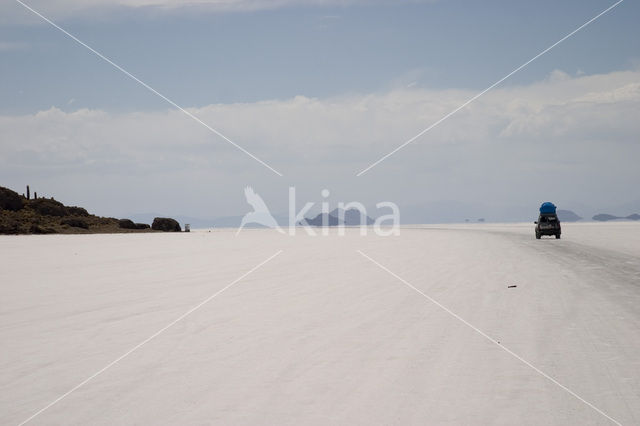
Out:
{"x": 126, "y": 224}
{"x": 129, "y": 224}
{"x": 10, "y": 200}
{"x": 166, "y": 224}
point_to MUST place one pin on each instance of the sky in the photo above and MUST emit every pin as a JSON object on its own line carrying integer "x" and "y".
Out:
{"x": 319, "y": 90}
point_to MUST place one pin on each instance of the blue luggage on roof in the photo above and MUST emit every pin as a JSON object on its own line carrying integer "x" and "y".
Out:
{"x": 548, "y": 208}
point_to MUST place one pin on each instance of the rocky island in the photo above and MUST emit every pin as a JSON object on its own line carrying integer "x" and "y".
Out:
{"x": 20, "y": 214}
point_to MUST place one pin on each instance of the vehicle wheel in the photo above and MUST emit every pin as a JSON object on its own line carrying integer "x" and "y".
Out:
{"x": 537, "y": 236}
{"x": 557, "y": 236}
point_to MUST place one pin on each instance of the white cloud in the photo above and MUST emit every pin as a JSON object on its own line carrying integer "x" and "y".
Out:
{"x": 11, "y": 11}
{"x": 580, "y": 134}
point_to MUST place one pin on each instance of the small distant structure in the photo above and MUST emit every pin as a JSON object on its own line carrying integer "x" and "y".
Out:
{"x": 187, "y": 227}
{"x": 481, "y": 219}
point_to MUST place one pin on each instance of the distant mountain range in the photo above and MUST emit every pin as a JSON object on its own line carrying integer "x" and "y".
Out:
{"x": 201, "y": 223}
{"x": 604, "y": 217}
{"x": 352, "y": 217}
{"x": 569, "y": 216}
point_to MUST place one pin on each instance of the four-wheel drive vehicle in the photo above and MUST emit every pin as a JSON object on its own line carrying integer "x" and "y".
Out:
{"x": 548, "y": 222}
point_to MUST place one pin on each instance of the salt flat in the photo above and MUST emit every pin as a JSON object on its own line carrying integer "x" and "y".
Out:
{"x": 320, "y": 334}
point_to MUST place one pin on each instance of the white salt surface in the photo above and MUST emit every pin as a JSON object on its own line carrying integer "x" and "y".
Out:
{"x": 320, "y": 334}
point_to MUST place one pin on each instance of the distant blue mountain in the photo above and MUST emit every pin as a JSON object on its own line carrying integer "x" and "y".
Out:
{"x": 568, "y": 216}
{"x": 352, "y": 217}
{"x": 604, "y": 217}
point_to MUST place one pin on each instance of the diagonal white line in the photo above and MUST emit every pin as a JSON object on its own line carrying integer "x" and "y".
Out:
{"x": 145, "y": 85}
{"x": 488, "y": 88}
{"x": 486, "y": 336}
{"x": 147, "y": 340}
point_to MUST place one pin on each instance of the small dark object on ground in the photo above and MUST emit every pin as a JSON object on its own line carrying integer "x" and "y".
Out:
{"x": 76, "y": 223}
{"x": 512, "y": 286}
{"x": 166, "y": 224}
